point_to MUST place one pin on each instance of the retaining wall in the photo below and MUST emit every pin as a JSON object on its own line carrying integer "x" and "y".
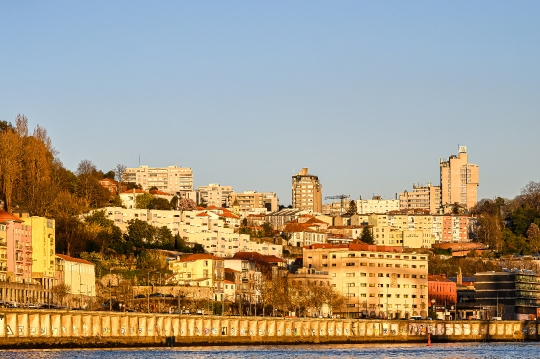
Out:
{"x": 39, "y": 328}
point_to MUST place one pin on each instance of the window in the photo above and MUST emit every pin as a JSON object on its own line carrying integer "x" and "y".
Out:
{"x": 349, "y": 264}
{"x": 349, "y": 274}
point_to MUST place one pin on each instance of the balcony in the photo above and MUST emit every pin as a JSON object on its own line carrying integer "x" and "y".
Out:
{"x": 3, "y": 244}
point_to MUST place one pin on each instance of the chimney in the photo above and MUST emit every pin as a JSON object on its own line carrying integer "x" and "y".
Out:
{"x": 459, "y": 278}
{"x": 304, "y": 171}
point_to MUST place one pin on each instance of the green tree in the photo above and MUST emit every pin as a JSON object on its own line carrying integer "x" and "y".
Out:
{"x": 367, "y": 236}
{"x": 140, "y": 232}
{"x": 198, "y": 248}
{"x": 174, "y": 202}
{"x": 132, "y": 185}
{"x": 352, "y": 208}
{"x": 142, "y": 200}
{"x": 163, "y": 238}
{"x": 268, "y": 231}
{"x": 159, "y": 203}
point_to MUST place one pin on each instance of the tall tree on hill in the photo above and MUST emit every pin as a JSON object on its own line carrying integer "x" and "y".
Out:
{"x": 352, "y": 208}
{"x": 367, "y": 236}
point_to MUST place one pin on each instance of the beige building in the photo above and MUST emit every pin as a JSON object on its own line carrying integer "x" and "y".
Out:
{"x": 79, "y": 275}
{"x": 376, "y": 205}
{"x": 171, "y": 179}
{"x": 376, "y": 280}
{"x": 249, "y": 200}
{"x": 215, "y": 195}
{"x": 422, "y": 197}
{"x": 459, "y": 181}
{"x": 199, "y": 270}
{"x": 306, "y": 192}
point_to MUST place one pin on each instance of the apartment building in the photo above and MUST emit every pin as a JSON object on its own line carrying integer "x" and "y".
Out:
{"x": 459, "y": 181}
{"x": 215, "y": 195}
{"x": 423, "y": 197}
{"x": 441, "y": 228}
{"x": 376, "y": 205}
{"x": 247, "y": 276}
{"x": 199, "y": 270}
{"x": 43, "y": 249}
{"x": 378, "y": 281}
{"x": 171, "y": 179}
{"x": 249, "y": 200}
{"x": 18, "y": 238}
{"x": 306, "y": 192}
{"x": 3, "y": 251}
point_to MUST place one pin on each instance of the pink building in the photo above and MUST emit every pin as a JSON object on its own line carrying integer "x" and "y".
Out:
{"x": 19, "y": 248}
{"x": 455, "y": 228}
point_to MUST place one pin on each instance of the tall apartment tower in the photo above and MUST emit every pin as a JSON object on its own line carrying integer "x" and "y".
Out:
{"x": 426, "y": 197}
{"x": 459, "y": 181}
{"x": 306, "y": 191}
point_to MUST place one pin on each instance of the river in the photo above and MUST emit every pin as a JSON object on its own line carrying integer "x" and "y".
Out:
{"x": 417, "y": 351}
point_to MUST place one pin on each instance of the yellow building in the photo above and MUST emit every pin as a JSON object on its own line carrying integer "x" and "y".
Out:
{"x": 200, "y": 270}
{"x": 306, "y": 192}
{"x": 459, "y": 181}
{"x": 43, "y": 248}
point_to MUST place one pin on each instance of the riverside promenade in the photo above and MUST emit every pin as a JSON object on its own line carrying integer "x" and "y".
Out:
{"x": 77, "y": 329}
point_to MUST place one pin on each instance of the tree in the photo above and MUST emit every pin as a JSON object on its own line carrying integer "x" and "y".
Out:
{"x": 159, "y": 203}
{"x": 489, "y": 230}
{"x": 352, "y": 208}
{"x": 154, "y": 188}
{"x": 60, "y": 291}
{"x": 142, "y": 200}
{"x": 119, "y": 172}
{"x": 533, "y": 237}
{"x": 174, "y": 202}
{"x": 367, "y": 236}
{"x": 268, "y": 231}
{"x": 10, "y": 165}
{"x": 186, "y": 204}
{"x": 140, "y": 232}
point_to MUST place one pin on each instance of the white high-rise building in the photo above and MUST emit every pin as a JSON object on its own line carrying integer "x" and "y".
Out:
{"x": 171, "y": 179}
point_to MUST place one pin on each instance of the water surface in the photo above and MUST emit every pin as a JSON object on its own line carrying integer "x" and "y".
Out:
{"x": 417, "y": 351}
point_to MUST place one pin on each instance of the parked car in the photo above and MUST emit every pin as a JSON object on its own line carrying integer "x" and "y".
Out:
{"x": 139, "y": 296}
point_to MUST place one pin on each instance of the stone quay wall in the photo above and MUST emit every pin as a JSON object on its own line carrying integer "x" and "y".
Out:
{"x": 70, "y": 329}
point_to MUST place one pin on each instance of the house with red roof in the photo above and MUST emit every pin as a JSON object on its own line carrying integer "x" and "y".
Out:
{"x": 305, "y": 234}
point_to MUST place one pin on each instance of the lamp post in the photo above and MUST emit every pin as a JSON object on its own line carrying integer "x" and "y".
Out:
{"x": 80, "y": 293}
{"x": 433, "y": 308}
{"x": 148, "y": 294}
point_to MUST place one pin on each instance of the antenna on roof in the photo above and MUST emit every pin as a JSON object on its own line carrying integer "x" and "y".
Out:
{"x": 139, "y": 160}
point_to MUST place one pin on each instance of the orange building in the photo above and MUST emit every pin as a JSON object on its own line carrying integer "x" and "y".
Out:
{"x": 442, "y": 290}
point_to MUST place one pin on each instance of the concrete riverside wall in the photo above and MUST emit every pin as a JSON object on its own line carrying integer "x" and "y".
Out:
{"x": 49, "y": 329}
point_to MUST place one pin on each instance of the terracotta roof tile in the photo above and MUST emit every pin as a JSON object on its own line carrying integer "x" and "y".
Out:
{"x": 6, "y": 217}
{"x": 71, "y": 259}
{"x": 197, "y": 256}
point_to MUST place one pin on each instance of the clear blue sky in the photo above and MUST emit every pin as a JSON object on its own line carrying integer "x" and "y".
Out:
{"x": 367, "y": 94}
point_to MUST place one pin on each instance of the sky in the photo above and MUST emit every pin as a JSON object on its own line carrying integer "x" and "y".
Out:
{"x": 369, "y": 95}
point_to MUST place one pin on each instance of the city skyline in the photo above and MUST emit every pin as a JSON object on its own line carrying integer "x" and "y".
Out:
{"x": 368, "y": 96}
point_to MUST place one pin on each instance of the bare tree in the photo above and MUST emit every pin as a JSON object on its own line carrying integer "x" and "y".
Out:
{"x": 60, "y": 292}
{"x": 119, "y": 172}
